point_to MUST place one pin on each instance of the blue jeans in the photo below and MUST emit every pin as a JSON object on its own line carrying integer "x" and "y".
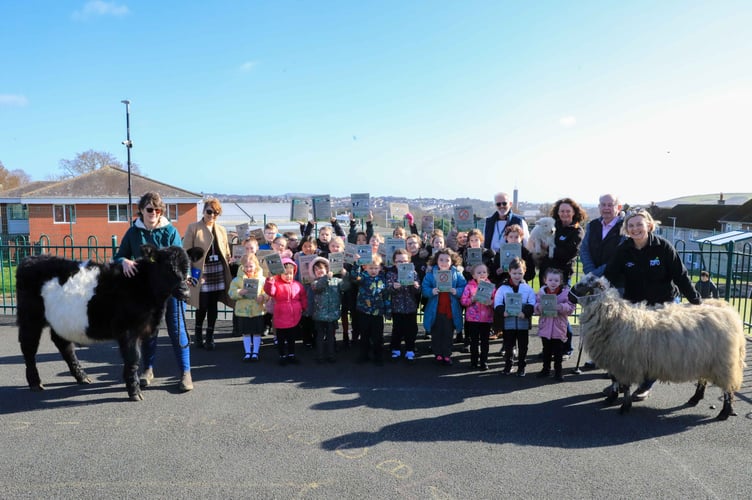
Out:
{"x": 175, "y": 321}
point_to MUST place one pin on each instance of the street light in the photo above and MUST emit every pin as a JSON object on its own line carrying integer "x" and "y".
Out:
{"x": 673, "y": 231}
{"x": 128, "y": 145}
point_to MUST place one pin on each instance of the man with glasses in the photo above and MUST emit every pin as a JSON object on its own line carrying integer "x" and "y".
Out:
{"x": 494, "y": 230}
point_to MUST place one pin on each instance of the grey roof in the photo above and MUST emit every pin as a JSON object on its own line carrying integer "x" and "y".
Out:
{"x": 723, "y": 238}
{"x": 107, "y": 182}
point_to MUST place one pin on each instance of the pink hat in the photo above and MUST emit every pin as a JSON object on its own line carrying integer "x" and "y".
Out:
{"x": 287, "y": 260}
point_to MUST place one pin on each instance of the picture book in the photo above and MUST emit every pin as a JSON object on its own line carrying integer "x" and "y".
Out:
{"x": 392, "y": 244}
{"x": 484, "y": 293}
{"x": 322, "y": 208}
{"x": 365, "y": 253}
{"x": 426, "y": 223}
{"x": 336, "y": 262}
{"x": 361, "y": 204}
{"x": 513, "y": 303}
{"x": 252, "y": 285}
{"x": 299, "y": 208}
{"x": 351, "y": 250}
{"x": 304, "y": 267}
{"x": 406, "y": 274}
{"x": 548, "y": 305}
{"x": 243, "y": 230}
{"x": 463, "y": 218}
{"x": 508, "y": 252}
{"x": 444, "y": 280}
{"x": 273, "y": 263}
{"x": 473, "y": 256}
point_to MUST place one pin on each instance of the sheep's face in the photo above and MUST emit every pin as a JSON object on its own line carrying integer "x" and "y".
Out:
{"x": 589, "y": 287}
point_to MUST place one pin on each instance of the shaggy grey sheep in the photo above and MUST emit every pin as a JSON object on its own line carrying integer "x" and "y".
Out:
{"x": 669, "y": 342}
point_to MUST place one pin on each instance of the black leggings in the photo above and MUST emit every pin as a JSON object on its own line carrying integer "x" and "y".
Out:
{"x": 207, "y": 308}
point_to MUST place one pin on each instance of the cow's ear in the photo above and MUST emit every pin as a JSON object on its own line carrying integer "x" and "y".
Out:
{"x": 149, "y": 252}
{"x": 195, "y": 253}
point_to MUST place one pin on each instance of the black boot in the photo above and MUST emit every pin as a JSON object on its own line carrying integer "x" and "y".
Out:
{"x": 198, "y": 339}
{"x": 209, "y": 340}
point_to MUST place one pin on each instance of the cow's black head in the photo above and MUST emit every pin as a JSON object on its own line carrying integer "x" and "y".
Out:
{"x": 170, "y": 269}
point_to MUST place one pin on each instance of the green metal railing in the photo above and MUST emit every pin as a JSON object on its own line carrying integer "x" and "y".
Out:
{"x": 730, "y": 266}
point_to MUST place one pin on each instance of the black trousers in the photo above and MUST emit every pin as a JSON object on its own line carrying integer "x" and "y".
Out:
{"x": 404, "y": 327}
{"x": 371, "y": 336}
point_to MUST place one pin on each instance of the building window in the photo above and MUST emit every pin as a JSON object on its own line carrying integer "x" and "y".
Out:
{"x": 117, "y": 213}
{"x": 64, "y": 213}
{"x": 172, "y": 212}
{"x": 18, "y": 211}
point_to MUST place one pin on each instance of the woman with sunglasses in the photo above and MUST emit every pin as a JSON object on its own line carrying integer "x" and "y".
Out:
{"x": 213, "y": 281}
{"x": 493, "y": 234}
{"x": 154, "y": 228}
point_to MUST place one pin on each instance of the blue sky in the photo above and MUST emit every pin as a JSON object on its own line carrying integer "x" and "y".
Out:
{"x": 650, "y": 100}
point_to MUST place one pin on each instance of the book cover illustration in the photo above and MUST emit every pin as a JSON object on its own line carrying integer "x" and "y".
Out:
{"x": 351, "y": 250}
{"x": 392, "y": 244}
{"x": 299, "y": 208}
{"x": 426, "y": 224}
{"x": 258, "y": 235}
{"x": 361, "y": 204}
{"x": 444, "y": 280}
{"x": 484, "y": 293}
{"x": 238, "y": 251}
{"x": 406, "y": 274}
{"x": 513, "y": 304}
{"x": 473, "y": 256}
{"x": 322, "y": 208}
{"x": 463, "y": 218}
{"x": 252, "y": 285}
{"x": 243, "y": 230}
{"x": 508, "y": 252}
{"x": 365, "y": 254}
{"x": 548, "y": 305}
{"x": 305, "y": 268}
{"x": 336, "y": 262}
{"x": 273, "y": 263}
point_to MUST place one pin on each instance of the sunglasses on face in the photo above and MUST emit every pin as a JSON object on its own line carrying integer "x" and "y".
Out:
{"x": 502, "y": 203}
{"x": 211, "y": 212}
{"x": 152, "y": 210}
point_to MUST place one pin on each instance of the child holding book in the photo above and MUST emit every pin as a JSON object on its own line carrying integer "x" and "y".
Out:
{"x": 373, "y": 306}
{"x": 327, "y": 304}
{"x": 290, "y": 301}
{"x": 405, "y": 297}
{"x": 309, "y": 247}
{"x": 552, "y": 326}
{"x": 443, "y": 287}
{"x": 513, "y": 308}
{"x": 478, "y": 316}
{"x": 271, "y": 231}
{"x": 337, "y": 245}
{"x": 247, "y": 290}
{"x": 513, "y": 234}
{"x": 360, "y": 237}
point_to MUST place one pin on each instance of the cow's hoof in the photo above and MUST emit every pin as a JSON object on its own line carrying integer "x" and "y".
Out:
{"x": 83, "y": 380}
{"x": 36, "y": 388}
{"x": 137, "y": 397}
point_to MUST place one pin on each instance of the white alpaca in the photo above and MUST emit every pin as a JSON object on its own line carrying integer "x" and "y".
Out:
{"x": 669, "y": 342}
{"x": 542, "y": 238}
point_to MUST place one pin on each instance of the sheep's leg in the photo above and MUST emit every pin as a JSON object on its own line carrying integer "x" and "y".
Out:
{"x": 627, "y": 404}
{"x": 613, "y": 395}
{"x": 699, "y": 393}
{"x": 68, "y": 351}
{"x": 727, "y": 409}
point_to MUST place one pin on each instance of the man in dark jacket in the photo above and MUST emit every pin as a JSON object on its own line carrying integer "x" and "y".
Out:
{"x": 493, "y": 234}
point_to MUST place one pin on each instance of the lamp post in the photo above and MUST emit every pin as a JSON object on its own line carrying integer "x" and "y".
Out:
{"x": 128, "y": 145}
{"x": 673, "y": 231}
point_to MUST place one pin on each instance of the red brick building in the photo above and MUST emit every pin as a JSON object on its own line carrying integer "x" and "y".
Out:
{"x": 89, "y": 209}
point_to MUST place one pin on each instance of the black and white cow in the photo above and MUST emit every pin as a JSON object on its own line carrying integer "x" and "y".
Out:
{"x": 87, "y": 302}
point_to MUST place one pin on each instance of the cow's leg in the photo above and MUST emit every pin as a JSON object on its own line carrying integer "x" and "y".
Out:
{"x": 627, "y": 404}
{"x": 130, "y": 349}
{"x": 68, "y": 351}
{"x": 699, "y": 393}
{"x": 728, "y": 409}
{"x": 28, "y": 336}
{"x": 613, "y": 394}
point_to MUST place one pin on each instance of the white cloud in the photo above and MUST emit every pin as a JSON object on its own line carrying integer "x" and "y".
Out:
{"x": 96, "y": 8}
{"x": 567, "y": 121}
{"x": 247, "y": 66}
{"x": 13, "y": 100}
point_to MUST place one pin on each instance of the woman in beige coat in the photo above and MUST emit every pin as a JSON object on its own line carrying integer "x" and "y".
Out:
{"x": 213, "y": 280}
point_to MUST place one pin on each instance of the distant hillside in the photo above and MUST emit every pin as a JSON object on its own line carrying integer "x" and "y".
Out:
{"x": 707, "y": 199}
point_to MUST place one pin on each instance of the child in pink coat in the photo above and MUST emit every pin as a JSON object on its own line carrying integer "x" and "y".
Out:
{"x": 478, "y": 318}
{"x": 553, "y": 329}
{"x": 290, "y": 301}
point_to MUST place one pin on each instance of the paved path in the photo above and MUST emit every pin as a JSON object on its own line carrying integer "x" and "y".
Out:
{"x": 355, "y": 431}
